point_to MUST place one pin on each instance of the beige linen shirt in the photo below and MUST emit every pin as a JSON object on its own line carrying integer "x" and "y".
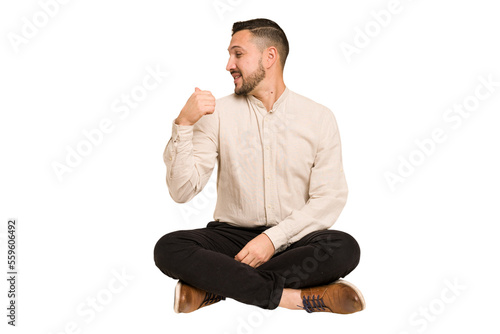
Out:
{"x": 281, "y": 169}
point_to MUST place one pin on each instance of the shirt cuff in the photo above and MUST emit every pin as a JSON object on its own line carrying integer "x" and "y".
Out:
{"x": 278, "y": 238}
{"x": 181, "y": 132}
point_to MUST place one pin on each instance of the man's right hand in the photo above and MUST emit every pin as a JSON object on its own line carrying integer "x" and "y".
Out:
{"x": 201, "y": 103}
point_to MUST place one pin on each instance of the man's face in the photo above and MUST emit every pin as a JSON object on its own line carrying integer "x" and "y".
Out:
{"x": 245, "y": 63}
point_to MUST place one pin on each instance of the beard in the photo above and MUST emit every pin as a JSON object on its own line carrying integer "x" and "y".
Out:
{"x": 252, "y": 81}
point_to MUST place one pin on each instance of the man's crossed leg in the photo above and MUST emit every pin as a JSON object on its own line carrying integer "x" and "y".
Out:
{"x": 300, "y": 277}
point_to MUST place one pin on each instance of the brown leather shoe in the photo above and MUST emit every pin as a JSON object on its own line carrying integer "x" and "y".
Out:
{"x": 339, "y": 297}
{"x": 188, "y": 298}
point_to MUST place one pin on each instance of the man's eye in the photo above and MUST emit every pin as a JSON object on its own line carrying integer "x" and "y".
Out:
{"x": 238, "y": 55}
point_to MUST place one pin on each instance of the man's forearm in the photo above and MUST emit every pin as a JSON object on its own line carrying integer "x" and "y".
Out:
{"x": 178, "y": 159}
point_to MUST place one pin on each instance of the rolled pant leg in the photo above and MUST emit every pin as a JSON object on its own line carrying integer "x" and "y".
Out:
{"x": 204, "y": 258}
{"x": 319, "y": 258}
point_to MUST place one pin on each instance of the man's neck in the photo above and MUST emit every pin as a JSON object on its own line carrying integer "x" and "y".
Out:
{"x": 270, "y": 93}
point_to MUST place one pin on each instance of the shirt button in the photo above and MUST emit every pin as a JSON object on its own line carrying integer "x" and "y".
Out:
{"x": 170, "y": 158}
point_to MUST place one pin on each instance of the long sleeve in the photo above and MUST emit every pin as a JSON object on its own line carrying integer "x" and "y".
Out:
{"x": 327, "y": 191}
{"x": 190, "y": 157}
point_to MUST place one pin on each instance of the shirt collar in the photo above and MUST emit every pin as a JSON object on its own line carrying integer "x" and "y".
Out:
{"x": 276, "y": 104}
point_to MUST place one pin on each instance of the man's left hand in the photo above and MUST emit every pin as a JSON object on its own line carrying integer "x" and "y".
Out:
{"x": 257, "y": 251}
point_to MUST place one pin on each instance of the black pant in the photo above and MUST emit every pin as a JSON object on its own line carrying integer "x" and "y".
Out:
{"x": 204, "y": 258}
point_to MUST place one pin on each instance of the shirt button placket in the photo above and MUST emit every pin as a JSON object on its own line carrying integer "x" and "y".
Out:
{"x": 268, "y": 169}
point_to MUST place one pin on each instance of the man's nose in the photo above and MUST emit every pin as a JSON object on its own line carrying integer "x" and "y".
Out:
{"x": 230, "y": 65}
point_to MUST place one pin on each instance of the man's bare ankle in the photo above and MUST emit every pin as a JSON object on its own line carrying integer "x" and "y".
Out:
{"x": 290, "y": 299}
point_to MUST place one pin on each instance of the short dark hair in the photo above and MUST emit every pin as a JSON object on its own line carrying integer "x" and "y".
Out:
{"x": 269, "y": 33}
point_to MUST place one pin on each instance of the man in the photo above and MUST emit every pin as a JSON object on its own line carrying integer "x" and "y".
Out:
{"x": 280, "y": 187}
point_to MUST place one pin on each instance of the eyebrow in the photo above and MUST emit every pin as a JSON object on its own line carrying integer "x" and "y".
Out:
{"x": 235, "y": 47}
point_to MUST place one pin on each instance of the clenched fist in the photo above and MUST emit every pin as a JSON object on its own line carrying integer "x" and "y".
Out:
{"x": 201, "y": 103}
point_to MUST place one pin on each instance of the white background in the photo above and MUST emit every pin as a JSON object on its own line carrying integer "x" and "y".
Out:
{"x": 435, "y": 229}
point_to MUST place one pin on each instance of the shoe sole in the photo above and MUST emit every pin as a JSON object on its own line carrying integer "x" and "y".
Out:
{"x": 358, "y": 292}
{"x": 177, "y": 299}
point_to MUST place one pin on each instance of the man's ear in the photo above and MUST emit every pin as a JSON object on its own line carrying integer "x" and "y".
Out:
{"x": 271, "y": 56}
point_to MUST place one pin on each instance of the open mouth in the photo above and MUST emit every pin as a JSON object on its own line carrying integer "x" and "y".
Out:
{"x": 236, "y": 76}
